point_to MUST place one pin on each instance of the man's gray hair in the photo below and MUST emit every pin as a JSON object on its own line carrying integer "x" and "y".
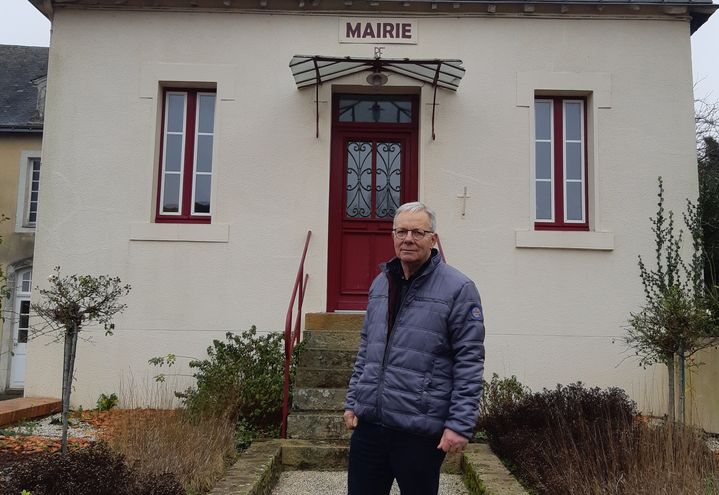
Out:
{"x": 417, "y": 206}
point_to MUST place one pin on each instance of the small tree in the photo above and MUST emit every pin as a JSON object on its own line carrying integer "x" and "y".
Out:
{"x": 677, "y": 318}
{"x": 4, "y": 292}
{"x": 71, "y": 303}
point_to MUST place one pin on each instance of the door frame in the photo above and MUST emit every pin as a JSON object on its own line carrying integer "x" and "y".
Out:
{"x": 410, "y": 181}
{"x": 18, "y": 356}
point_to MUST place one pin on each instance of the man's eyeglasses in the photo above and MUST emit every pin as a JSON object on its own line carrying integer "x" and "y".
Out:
{"x": 417, "y": 234}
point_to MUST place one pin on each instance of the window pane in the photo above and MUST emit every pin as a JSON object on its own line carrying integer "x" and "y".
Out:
{"x": 543, "y": 120}
{"x": 573, "y": 121}
{"x": 369, "y": 108}
{"x": 202, "y": 193}
{"x": 34, "y": 188}
{"x": 173, "y": 153}
{"x": 544, "y": 200}
{"x": 389, "y": 163}
{"x": 171, "y": 194}
{"x": 204, "y": 153}
{"x": 574, "y": 201}
{"x": 573, "y": 160}
{"x": 175, "y": 113}
{"x": 544, "y": 160}
{"x": 206, "y": 113}
{"x": 359, "y": 179}
{"x": 26, "y": 283}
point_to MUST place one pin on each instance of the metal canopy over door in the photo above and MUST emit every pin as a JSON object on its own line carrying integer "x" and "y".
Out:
{"x": 373, "y": 170}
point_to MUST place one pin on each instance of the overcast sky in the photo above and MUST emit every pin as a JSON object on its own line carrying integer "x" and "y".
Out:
{"x": 22, "y": 24}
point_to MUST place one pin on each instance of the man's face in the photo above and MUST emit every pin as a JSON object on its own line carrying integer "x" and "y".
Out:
{"x": 412, "y": 251}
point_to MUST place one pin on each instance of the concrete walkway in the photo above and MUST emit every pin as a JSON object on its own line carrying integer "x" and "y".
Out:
{"x": 264, "y": 463}
{"x": 335, "y": 483}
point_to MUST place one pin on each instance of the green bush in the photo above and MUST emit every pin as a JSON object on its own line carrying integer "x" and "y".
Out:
{"x": 243, "y": 376}
{"x": 95, "y": 470}
{"x": 501, "y": 391}
{"x": 106, "y": 402}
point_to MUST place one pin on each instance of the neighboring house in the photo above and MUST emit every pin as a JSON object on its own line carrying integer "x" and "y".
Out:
{"x": 183, "y": 155}
{"x": 23, "y": 72}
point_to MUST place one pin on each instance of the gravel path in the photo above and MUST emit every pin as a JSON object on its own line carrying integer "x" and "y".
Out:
{"x": 51, "y": 426}
{"x": 335, "y": 483}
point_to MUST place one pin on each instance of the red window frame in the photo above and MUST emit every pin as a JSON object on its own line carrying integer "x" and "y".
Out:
{"x": 188, "y": 172}
{"x": 558, "y": 180}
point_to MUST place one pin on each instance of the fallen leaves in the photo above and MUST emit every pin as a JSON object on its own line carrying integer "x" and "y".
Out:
{"x": 33, "y": 444}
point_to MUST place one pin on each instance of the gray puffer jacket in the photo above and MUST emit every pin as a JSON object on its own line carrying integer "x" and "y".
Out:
{"x": 428, "y": 376}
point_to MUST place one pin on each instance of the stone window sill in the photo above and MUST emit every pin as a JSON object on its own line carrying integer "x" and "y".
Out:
{"x": 592, "y": 241}
{"x": 180, "y": 232}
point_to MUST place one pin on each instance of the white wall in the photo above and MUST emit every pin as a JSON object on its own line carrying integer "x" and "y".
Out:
{"x": 552, "y": 314}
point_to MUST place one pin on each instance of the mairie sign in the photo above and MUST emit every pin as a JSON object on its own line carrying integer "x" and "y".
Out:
{"x": 381, "y": 30}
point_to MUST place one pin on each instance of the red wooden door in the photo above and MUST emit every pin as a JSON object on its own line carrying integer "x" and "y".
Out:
{"x": 373, "y": 171}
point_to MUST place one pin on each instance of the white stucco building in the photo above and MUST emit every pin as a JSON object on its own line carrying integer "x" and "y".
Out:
{"x": 180, "y": 155}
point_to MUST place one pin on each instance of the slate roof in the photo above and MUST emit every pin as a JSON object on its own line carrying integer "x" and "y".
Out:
{"x": 19, "y": 67}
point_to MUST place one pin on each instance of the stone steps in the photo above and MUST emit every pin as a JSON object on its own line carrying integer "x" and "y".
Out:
{"x": 325, "y": 425}
{"x": 314, "y": 455}
{"x": 342, "y": 359}
{"x": 332, "y": 339}
{"x": 318, "y": 399}
{"x": 322, "y": 378}
{"x": 325, "y": 366}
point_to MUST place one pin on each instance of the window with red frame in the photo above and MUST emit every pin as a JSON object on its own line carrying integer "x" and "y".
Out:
{"x": 188, "y": 133}
{"x": 560, "y": 168}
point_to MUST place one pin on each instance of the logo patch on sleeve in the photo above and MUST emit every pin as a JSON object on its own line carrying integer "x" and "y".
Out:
{"x": 475, "y": 313}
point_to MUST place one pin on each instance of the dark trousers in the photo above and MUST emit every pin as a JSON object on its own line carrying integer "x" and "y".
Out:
{"x": 378, "y": 455}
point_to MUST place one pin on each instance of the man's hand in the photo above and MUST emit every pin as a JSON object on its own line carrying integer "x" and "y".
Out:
{"x": 450, "y": 441}
{"x": 350, "y": 420}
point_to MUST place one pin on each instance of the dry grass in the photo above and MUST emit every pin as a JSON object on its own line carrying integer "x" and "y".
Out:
{"x": 626, "y": 457}
{"x": 156, "y": 437}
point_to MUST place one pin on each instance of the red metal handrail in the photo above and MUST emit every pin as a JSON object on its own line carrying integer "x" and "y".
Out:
{"x": 292, "y": 335}
{"x": 441, "y": 251}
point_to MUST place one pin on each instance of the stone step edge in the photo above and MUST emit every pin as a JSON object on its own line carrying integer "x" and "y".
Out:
{"x": 348, "y": 322}
{"x": 257, "y": 469}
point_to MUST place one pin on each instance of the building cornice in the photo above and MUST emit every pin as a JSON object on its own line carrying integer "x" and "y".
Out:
{"x": 695, "y": 12}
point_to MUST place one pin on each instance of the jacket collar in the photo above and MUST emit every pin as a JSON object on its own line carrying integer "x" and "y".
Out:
{"x": 395, "y": 265}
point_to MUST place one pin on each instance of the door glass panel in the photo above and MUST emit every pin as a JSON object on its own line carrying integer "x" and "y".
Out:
{"x": 359, "y": 179}
{"x": 388, "y": 109}
{"x": 24, "y": 322}
{"x": 388, "y": 175}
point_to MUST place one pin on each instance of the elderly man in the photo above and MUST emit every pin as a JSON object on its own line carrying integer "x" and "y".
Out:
{"x": 415, "y": 390}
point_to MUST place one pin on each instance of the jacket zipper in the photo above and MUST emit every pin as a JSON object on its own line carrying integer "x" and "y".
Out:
{"x": 388, "y": 345}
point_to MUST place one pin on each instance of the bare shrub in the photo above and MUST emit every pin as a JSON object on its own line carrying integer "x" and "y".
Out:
{"x": 579, "y": 441}
{"x": 627, "y": 458}
{"x": 160, "y": 439}
{"x": 94, "y": 470}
